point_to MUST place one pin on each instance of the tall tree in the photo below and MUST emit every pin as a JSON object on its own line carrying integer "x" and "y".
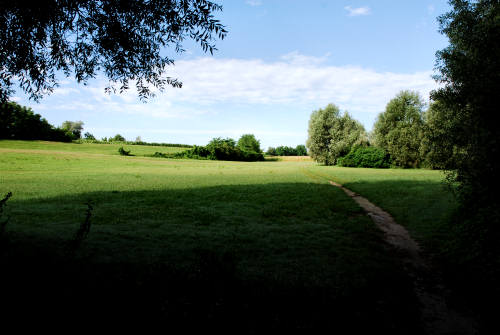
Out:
{"x": 332, "y": 135}
{"x": 469, "y": 69}
{"x": 248, "y": 142}
{"x": 73, "y": 127}
{"x": 399, "y": 129}
{"x": 124, "y": 39}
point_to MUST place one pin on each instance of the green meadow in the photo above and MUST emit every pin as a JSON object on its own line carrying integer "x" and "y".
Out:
{"x": 240, "y": 245}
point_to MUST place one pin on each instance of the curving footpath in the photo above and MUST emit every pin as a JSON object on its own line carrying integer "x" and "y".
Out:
{"x": 437, "y": 317}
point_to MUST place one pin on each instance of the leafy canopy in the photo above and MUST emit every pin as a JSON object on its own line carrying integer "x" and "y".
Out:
{"x": 124, "y": 39}
{"x": 399, "y": 129}
{"x": 331, "y": 135}
{"x": 248, "y": 142}
{"x": 73, "y": 127}
{"x": 469, "y": 69}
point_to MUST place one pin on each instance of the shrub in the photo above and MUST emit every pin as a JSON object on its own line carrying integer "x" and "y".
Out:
{"x": 123, "y": 152}
{"x": 221, "y": 149}
{"x": 248, "y": 142}
{"x": 367, "y": 157}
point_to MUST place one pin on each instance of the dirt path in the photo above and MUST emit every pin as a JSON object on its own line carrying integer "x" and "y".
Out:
{"x": 437, "y": 317}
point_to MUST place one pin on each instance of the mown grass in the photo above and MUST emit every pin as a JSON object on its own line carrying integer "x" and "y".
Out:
{"x": 89, "y": 148}
{"x": 232, "y": 245}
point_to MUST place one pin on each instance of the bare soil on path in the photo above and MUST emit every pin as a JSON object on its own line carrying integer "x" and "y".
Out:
{"x": 438, "y": 318}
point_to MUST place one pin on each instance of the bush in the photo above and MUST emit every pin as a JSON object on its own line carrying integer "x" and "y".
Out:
{"x": 367, "y": 157}
{"x": 221, "y": 149}
{"x": 248, "y": 142}
{"x": 123, "y": 152}
{"x": 117, "y": 138}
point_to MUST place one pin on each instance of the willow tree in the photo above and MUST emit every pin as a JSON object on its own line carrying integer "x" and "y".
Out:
{"x": 332, "y": 135}
{"x": 125, "y": 40}
{"x": 400, "y": 128}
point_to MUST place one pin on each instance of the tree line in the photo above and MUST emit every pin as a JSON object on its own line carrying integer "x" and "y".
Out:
{"x": 402, "y": 135}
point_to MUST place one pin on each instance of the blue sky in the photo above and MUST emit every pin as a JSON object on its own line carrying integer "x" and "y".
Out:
{"x": 281, "y": 60}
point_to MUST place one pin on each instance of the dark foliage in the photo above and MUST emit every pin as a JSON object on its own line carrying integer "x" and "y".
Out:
{"x": 117, "y": 138}
{"x": 124, "y": 39}
{"x": 467, "y": 144}
{"x": 248, "y": 142}
{"x": 123, "y": 152}
{"x": 21, "y": 123}
{"x": 367, "y": 157}
{"x": 219, "y": 149}
{"x": 470, "y": 70}
{"x": 73, "y": 127}
{"x": 300, "y": 150}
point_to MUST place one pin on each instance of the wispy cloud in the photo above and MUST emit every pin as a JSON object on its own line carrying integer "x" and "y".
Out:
{"x": 357, "y": 11}
{"x": 253, "y": 3}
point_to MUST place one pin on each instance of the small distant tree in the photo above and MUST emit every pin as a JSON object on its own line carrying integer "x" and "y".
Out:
{"x": 138, "y": 139}
{"x": 271, "y": 151}
{"x": 399, "y": 130}
{"x": 248, "y": 142}
{"x": 88, "y": 136}
{"x": 331, "y": 135}
{"x": 117, "y": 138}
{"x": 284, "y": 150}
{"x": 73, "y": 127}
{"x": 301, "y": 150}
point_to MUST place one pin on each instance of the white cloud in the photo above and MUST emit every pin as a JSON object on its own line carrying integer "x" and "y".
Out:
{"x": 430, "y": 9}
{"x": 357, "y": 11}
{"x": 253, "y": 3}
{"x": 294, "y": 80}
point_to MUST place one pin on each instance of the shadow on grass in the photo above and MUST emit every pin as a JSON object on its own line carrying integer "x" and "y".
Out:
{"x": 428, "y": 208}
{"x": 238, "y": 258}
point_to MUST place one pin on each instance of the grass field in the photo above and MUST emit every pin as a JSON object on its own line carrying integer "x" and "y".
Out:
{"x": 227, "y": 244}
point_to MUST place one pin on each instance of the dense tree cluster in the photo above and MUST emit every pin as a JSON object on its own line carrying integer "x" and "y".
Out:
{"x": 283, "y": 150}
{"x": 21, "y": 123}
{"x": 225, "y": 149}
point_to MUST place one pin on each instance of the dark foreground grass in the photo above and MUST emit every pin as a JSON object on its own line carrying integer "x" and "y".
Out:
{"x": 421, "y": 201}
{"x": 239, "y": 247}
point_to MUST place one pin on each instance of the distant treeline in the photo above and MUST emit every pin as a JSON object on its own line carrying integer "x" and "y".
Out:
{"x": 247, "y": 149}
{"x": 111, "y": 140}
{"x": 21, "y": 123}
{"x": 299, "y": 150}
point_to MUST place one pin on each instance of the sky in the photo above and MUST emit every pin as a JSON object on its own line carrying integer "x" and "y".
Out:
{"x": 281, "y": 60}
